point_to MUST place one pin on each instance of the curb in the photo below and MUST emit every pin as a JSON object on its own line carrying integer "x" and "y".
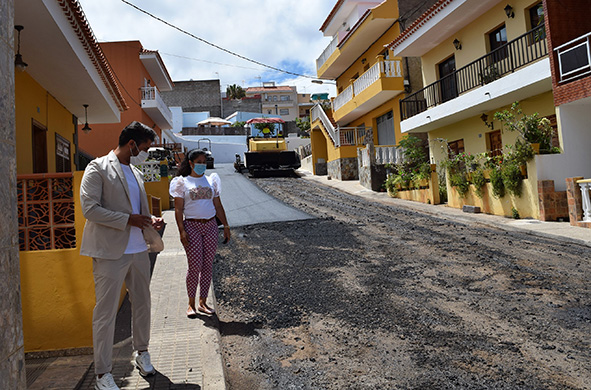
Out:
{"x": 211, "y": 352}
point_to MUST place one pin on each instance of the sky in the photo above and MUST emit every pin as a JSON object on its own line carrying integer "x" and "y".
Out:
{"x": 281, "y": 33}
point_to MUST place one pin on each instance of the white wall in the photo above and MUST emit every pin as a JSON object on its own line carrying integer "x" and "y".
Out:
{"x": 573, "y": 120}
{"x": 223, "y": 147}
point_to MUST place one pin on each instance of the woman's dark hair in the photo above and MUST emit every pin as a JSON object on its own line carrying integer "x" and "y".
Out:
{"x": 138, "y": 132}
{"x": 184, "y": 168}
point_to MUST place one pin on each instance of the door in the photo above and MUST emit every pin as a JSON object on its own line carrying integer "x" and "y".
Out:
{"x": 495, "y": 142}
{"x": 385, "y": 125}
{"x": 39, "y": 149}
{"x": 449, "y": 87}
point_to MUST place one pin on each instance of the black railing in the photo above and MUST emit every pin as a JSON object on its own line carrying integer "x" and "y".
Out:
{"x": 515, "y": 54}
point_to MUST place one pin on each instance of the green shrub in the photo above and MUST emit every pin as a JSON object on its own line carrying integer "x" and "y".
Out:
{"x": 460, "y": 183}
{"x": 479, "y": 182}
{"x": 512, "y": 178}
{"x": 496, "y": 180}
{"x": 515, "y": 213}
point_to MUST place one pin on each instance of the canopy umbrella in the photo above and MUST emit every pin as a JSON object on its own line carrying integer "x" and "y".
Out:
{"x": 265, "y": 120}
{"x": 213, "y": 121}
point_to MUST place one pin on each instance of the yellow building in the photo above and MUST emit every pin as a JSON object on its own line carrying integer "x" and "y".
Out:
{"x": 478, "y": 57}
{"x": 370, "y": 81}
{"x": 65, "y": 69}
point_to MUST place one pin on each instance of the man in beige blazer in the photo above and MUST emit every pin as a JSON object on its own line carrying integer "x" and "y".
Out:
{"x": 115, "y": 204}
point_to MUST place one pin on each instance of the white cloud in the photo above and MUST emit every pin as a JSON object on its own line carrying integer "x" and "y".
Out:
{"x": 280, "y": 33}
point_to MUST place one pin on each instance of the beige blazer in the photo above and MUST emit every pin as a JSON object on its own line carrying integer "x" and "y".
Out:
{"x": 106, "y": 206}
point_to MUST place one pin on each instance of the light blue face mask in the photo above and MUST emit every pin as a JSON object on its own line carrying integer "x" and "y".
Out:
{"x": 199, "y": 169}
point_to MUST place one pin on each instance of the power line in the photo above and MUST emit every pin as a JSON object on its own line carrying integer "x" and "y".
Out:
{"x": 209, "y": 62}
{"x": 213, "y": 44}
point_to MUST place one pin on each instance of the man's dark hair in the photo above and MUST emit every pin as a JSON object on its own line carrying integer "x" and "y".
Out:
{"x": 138, "y": 132}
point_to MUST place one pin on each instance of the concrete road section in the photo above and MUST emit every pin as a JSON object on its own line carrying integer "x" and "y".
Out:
{"x": 246, "y": 204}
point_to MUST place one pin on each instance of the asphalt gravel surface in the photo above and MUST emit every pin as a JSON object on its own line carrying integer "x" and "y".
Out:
{"x": 373, "y": 296}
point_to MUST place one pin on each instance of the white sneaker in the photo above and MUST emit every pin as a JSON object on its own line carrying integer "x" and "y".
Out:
{"x": 142, "y": 362}
{"x": 106, "y": 382}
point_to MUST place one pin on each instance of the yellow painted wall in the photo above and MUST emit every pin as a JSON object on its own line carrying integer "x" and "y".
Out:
{"x": 474, "y": 37}
{"x": 57, "y": 292}
{"x": 33, "y": 102}
{"x": 473, "y": 132}
{"x": 159, "y": 189}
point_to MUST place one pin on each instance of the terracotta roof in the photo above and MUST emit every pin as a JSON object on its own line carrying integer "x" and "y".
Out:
{"x": 73, "y": 12}
{"x": 424, "y": 18}
{"x": 146, "y": 51}
{"x": 280, "y": 88}
{"x": 331, "y": 14}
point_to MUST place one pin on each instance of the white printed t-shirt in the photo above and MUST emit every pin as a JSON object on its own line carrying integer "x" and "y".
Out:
{"x": 198, "y": 193}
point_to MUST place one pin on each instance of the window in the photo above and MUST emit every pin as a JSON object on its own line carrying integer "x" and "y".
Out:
{"x": 455, "y": 147}
{"x": 494, "y": 143}
{"x": 536, "y": 15}
{"x": 274, "y": 98}
{"x": 284, "y": 111}
{"x": 62, "y": 154}
{"x": 270, "y": 112}
{"x": 496, "y": 39}
{"x": 284, "y": 98}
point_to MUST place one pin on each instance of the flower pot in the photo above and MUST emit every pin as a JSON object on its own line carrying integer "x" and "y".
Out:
{"x": 424, "y": 183}
{"x": 433, "y": 167}
{"x": 523, "y": 169}
{"x": 486, "y": 173}
{"x": 536, "y": 148}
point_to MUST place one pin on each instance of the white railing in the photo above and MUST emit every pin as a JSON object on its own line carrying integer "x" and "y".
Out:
{"x": 151, "y": 170}
{"x": 574, "y": 58}
{"x": 343, "y": 98}
{"x": 352, "y": 136}
{"x": 365, "y": 160}
{"x": 392, "y": 68}
{"x": 388, "y": 68}
{"x": 151, "y": 93}
{"x": 585, "y": 190}
{"x": 366, "y": 79}
{"x": 332, "y": 46}
{"x": 317, "y": 112}
{"x": 388, "y": 155}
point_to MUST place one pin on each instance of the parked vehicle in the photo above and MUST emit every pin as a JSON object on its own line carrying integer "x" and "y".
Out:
{"x": 208, "y": 154}
{"x": 267, "y": 148}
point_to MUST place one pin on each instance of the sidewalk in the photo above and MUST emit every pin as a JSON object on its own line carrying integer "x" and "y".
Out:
{"x": 185, "y": 352}
{"x": 560, "y": 231}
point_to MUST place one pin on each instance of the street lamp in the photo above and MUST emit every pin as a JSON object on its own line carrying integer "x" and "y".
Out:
{"x": 323, "y": 82}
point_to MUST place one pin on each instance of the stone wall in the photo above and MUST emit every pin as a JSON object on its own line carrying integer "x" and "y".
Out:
{"x": 249, "y": 104}
{"x": 195, "y": 96}
{"x": 12, "y": 361}
{"x": 553, "y": 204}
{"x": 343, "y": 169}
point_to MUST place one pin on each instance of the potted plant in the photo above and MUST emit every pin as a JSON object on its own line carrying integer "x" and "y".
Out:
{"x": 532, "y": 128}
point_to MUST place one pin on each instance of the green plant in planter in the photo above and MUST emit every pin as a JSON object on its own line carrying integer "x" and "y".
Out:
{"x": 532, "y": 128}
{"x": 479, "y": 182}
{"x": 490, "y": 74}
{"x": 460, "y": 183}
{"x": 521, "y": 152}
{"x": 515, "y": 213}
{"x": 496, "y": 180}
{"x": 391, "y": 182}
{"x": 512, "y": 178}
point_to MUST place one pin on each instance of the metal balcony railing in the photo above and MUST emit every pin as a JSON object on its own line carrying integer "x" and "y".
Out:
{"x": 45, "y": 204}
{"x": 574, "y": 58}
{"x": 515, "y": 54}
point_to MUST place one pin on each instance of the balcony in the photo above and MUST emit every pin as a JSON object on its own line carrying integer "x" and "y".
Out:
{"x": 341, "y": 136}
{"x": 155, "y": 107}
{"x": 501, "y": 62}
{"x": 380, "y": 83}
{"x": 574, "y": 59}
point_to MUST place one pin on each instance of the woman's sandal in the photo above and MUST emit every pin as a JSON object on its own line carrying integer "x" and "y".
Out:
{"x": 205, "y": 310}
{"x": 191, "y": 313}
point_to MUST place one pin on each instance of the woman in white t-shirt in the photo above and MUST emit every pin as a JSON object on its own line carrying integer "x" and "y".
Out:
{"x": 197, "y": 203}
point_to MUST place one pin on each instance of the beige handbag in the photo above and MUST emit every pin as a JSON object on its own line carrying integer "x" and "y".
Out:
{"x": 153, "y": 239}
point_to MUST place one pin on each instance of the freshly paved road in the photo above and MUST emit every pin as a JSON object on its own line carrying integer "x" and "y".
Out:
{"x": 246, "y": 204}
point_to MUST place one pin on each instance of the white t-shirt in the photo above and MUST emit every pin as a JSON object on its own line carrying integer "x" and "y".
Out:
{"x": 198, "y": 193}
{"x": 136, "y": 243}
